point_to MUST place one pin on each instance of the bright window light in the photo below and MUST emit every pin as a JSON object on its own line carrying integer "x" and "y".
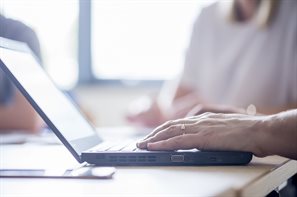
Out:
{"x": 143, "y": 39}
{"x": 56, "y": 24}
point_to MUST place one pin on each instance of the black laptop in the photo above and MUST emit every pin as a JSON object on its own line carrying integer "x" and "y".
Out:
{"x": 80, "y": 138}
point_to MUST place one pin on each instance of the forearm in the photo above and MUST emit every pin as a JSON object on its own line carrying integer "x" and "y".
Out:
{"x": 19, "y": 115}
{"x": 279, "y": 135}
{"x": 274, "y": 110}
{"x": 172, "y": 91}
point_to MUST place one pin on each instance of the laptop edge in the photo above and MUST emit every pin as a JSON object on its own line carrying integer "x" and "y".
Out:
{"x": 145, "y": 158}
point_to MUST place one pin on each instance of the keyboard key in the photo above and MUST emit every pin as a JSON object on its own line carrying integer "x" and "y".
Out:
{"x": 130, "y": 147}
{"x": 102, "y": 147}
{"x": 139, "y": 150}
{"x": 119, "y": 146}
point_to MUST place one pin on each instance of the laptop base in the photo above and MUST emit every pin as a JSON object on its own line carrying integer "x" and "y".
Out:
{"x": 167, "y": 158}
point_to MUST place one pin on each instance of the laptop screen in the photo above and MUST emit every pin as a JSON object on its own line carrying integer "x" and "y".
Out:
{"x": 54, "y": 107}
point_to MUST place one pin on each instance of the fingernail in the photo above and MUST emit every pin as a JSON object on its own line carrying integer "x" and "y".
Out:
{"x": 139, "y": 142}
{"x": 140, "y": 145}
{"x": 149, "y": 145}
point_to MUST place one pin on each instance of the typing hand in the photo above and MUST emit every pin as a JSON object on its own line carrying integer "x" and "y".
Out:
{"x": 208, "y": 131}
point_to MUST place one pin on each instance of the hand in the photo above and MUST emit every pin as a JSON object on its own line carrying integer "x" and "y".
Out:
{"x": 208, "y": 131}
{"x": 20, "y": 115}
{"x": 202, "y": 108}
{"x": 183, "y": 105}
{"x": 146, "y": 112}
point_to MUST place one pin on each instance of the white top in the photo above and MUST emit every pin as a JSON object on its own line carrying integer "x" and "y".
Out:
{"x": 242, "y": 63}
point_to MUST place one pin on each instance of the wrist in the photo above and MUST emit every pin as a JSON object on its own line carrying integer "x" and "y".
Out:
{"x": 261, "y": 134}
{"x": 275, "y": 135}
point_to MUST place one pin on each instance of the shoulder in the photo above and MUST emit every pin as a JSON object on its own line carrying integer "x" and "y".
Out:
{"x": 207, "y": 16}
{"x": 13, "y": 28}
{"x": 17, "y": 30}
{"x": 209, "y": 11}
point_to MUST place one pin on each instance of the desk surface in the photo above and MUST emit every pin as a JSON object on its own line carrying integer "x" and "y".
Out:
{"x": 256, "y": 179}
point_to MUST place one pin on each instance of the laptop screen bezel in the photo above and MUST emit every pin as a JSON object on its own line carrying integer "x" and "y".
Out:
{"x": 81, "y": 144}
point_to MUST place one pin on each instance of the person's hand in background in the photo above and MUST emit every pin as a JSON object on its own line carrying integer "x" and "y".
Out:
{"x": 145, "y": 112}
{"x": 203, "y": 108}
{"x": 172, "y": 104}
{"x": 148, "y": 112}
{"x": 16, "y": 113}
{"x": 20, "y": 115}
{"x": 261, "y": 135}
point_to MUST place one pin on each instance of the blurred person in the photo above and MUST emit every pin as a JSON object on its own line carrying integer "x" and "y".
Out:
{"x": 242, "y": 53}
{"x": 15, "y": 111}
{"x": 262, "y": 135}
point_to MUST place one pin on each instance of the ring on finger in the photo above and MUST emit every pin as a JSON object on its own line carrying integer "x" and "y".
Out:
{"x": 183, "y": 128}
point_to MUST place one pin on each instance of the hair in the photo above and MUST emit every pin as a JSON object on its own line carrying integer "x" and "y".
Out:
{"x": 264, "y": 16}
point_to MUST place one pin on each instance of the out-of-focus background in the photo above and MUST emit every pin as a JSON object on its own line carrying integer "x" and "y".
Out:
{"x": 105, "y": 54}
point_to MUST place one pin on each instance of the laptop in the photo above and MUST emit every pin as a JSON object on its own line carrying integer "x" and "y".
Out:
{"x": 64, "y": 118}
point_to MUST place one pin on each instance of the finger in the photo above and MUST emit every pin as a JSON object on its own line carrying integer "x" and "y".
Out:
{"x": 172, "y": 131}
{"x": 168, "y": 124}
{"x": 204, "y": 115}
{"x": 211, "y": 115}
{"x": 159, "y": 128}
{"x": 179, "y": 142}
{"x": 206, "y": 118}
{"x": 190, "y": 123}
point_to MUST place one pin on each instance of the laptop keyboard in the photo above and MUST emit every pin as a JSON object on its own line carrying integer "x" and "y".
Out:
{"x": 121, "y": 146}
{"x": 126, "y": 146}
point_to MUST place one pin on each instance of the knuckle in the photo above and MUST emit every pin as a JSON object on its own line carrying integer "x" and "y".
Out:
{"x": 168, "y": 123}
{"x": 204, "y": 122}
{"x": 171, "y": 128}
{"x": 208, "y": 114}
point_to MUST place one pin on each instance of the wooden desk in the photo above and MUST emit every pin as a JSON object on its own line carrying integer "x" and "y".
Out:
{"x": 257, "y": 179}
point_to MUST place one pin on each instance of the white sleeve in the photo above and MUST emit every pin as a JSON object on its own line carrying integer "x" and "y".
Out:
{"x": 190, "y": 75}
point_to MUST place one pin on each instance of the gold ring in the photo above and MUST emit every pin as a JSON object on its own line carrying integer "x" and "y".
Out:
{"x": 183, "y": 127}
